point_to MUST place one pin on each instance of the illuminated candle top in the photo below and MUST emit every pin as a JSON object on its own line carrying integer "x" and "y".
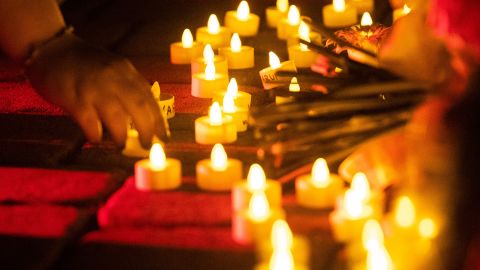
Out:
{"x": 379, "y": 259}
{"x": 210, "y": 71}
{"x": 293, "y": 16}
{"x": 360, "y": 185}
{"x": 219, "y": 158}
{"x": 372, "y": 235}
{"x": 352, "y": 203}
{"x": 366, "y": 19}
{"x": 320, "y": 173}
{"x": 339, "y": 5}
{"x": 156, "y": 90}
{"x": 294, "y": 86}
{"x": 235, "y": 43}
{"x": 213, "y": 25}
{"x": 215, "y": 115}
{"x": 208, "y": 54}
{"x": 273, "y": 60}
{"x": 256, "y": 179}
{"x": 281, "y": 236}
{"x": 282, "y": 5}
{"x": 243, "y": 11}
{"x": 405, "y": 212}
{"x": 258, "y": 207}
{"x": 427, "y": 228}
{"x": 304, "y": 33}
{"x": 282, "y": 260}
{"x": 229, "y": 103}
{"x": 158, "y": 160}
{"x": 406, "y": 9}
{"x": 232, "y": 88}
{"x": 187, "y": 39}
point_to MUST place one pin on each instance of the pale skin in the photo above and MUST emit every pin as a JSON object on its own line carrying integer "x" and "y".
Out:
{"x": 94, "y": 86}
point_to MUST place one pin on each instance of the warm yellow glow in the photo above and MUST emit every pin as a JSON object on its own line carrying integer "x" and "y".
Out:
{"x": 294, "y": 86}
{"x": 208, "y": 54}
{"x": 427, "y": 228}
{"x": 304, "y": 33}
{"x": 210, "y": 71}
{"x": 235, "y": 43}
{"x": 158, "y": 160}
{"x": 320, "y": 173}
{"x": 156, "y": 90}
{"x": 379, "y": 259}
{"x": 218, "y": 157}
{"x": 282, "y": 5}
{"x": 273, "y": 60}
{"x": 372, "y": 235}
{"x": 256, "y": 179}
{"x": 281, "y": 236}
{"x": 215, "y": 114}
{"x": 405, "y": 212}
{"x": 339, "y": 5}
{"x": 232, "y": 88}
{"x": 366, "y": 19}
{"x": 258, "y": 207}
{"x": 406, "y": 9}
{"x": 293, "y": 15}
{"x": 361, "y": 186}
{"x": 229, "y": 104}
{"x": 282, "y": 260}
{"x": 187, "y": 38}
{"x": 213, "y": 25}
{"x": 243, "y": 11}
{"x": 352, "y": 203}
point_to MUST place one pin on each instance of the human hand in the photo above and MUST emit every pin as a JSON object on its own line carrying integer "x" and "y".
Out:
{"x": 96, "y": 87}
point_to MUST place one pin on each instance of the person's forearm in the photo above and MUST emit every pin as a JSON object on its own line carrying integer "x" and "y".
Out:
{"x": 24, "y": 23}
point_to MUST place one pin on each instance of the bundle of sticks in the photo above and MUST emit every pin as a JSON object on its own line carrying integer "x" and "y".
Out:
{"x": 357, "y": 104}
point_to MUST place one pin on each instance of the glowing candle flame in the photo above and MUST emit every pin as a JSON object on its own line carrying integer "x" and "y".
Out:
{"x": 405, "y": 212}
{"x": 243, "y": 11}
{"x": 282, "y": 5}
{"x": 158, "y": 160}
{"x": 156, "y": 90}
{"x": 219, "y": 158}
{"x": 406, "y": 9}
{"x": 208, "y": 54}
{"x": 339, "y": 5}
{"x": 361, "y": 186}
{"x": 352, "y": 203}
{"x": 273, "y": 60}
{"x": 235, "y": 43}
{"x": 213, "y": 25}
{"x": 215, "y": 114}
{"x": 372, "y": 235}
{"x": 294, "y": 86}
{"x": 320, "y": 173}
{"x": 282, "y": 260}
{"x": 187, "y": 39}
{"x": 229, "y": 104}
{"x": 281, "y": 237}
{"x": 258, "y": 207}
{"x": 232, "y": 88}
{"x": 293, "y": 15}
{"x": 427, "y": 228}
{"x": 210, "y": 71}
{"x": 379, "y": 259}
{"x": 256, "y": 179}
{"x": 366, "y": 19}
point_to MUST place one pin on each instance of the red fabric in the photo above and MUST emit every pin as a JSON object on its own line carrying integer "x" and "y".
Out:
{"x": 217, "y": 238}
{"x": 31, "y": 185}
{"x": 36, "y": 220}
{"x": 129, "y": 207}
{"x": 184, "y": 101}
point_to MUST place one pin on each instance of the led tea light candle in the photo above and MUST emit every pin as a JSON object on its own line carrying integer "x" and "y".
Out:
{"x": 319, "y": 189}
{"x": 158, "y": 172}
{"x": 133, "y": 148}
{"x": 165, "y": 101}
{"x": 238, "y": 56}
{"x": 213, "y": 33}
{"x": 400, "y": 12}
{"x": 276, "y": 14}
{"x": 338, "y": 14}
{"x": 379, "y": 258}
{"x": 215, "y": 128}
{"x": 219, "y": 172}
{"x": 254, "y": 223}
{"x": 199, "y": 64}
{"x": 238, "y": 114}
{"x": 268, "y": 75}
{"x": 294, "y": 87}
{"x": 373, "y": 198}
{"x": 289, "y": 26}
{"x": 183, "y": 52}
{"x": 242, "y": 21}
{"x": 256, "y": 181}
{"x": 366, "y": 19}
{"x": 362, "y": 5}
{"x": 242, "y": 99}
{"x": 300, "y": 54}
{"x": 204, "y": 85}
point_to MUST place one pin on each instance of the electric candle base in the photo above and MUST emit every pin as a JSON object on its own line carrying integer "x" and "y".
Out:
{"x": 148, "y": 178}
{"x": 204, "y": 88}
{"x": 221, "y": 39}
{"x": 335, "y": 19}
{"x": 242, "y": 100}
{"x": 245, "y": 28}
{"x": 166, "y": 103}
{"x": 362, "y": 5}
{"x": 346, "y": 228}
{"x": 240, "y": 118}
{"x": 300, "y": 250}
{"x": 206, "y": 133}
{"x": 209, "y": 178}
{"x": 310, "y": 196}
{"x": 303, "y": 58}
{"x": 243, "y": 59}
{"x": 241, "y": 195}
{"x": 283, "y": 99}
{"x": 274, "y": 16}
{"x": 286, "y": 30}
{"x": 199, "y": 64}
{"x": 180, "y": 55}
{"x": 246, "y": 230}
{"x": 267, "y": 266}
{"x": 133, "y": 148}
